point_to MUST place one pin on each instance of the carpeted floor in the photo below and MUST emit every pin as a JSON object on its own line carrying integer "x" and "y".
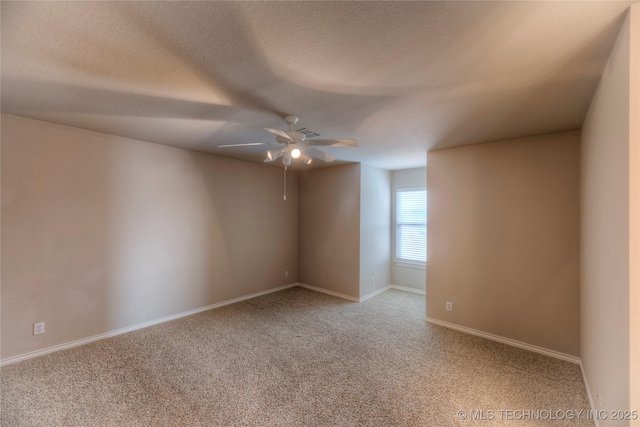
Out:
{"x": 292, "y": 358}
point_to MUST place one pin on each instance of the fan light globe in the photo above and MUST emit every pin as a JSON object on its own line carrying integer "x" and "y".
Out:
{"x": 274, "y": 154}
{"x": 295, "y": 153}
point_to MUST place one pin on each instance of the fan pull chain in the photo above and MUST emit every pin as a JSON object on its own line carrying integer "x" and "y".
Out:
{"x": 285, "y": 182}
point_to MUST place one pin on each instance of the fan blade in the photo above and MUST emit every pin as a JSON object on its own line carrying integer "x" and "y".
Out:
{"x": 333, "y": 142}
{"x": 317, "y": 154}
{"x": 279, "y": 133}
{"x": 249, "y": 144}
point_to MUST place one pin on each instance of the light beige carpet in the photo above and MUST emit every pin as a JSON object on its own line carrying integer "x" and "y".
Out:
{"x": 292, "y": 358}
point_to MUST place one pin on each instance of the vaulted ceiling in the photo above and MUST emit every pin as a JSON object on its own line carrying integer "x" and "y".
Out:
{"x": 400, "y": 77}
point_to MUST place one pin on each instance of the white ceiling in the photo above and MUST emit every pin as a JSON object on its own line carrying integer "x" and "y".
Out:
{"x": 400, "y": 77}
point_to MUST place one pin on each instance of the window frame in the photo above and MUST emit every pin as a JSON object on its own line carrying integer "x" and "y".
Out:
{"x": 402, "y": 262}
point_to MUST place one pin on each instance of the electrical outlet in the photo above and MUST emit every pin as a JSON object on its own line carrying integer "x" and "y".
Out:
{"x": 599, "y": 396}
{"x": 38, "y": 328}
{"x": 449, "y": 306}
{"x": 286, "y": 274}
{"x": 373, "y": 279}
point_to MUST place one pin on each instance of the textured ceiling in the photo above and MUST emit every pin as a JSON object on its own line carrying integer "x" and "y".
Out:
{"x": 400, "y": 77}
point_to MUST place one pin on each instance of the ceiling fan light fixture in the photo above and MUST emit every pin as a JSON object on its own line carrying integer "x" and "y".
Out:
{"x": 297, "y": 145}
{"x": 274, "y": 154}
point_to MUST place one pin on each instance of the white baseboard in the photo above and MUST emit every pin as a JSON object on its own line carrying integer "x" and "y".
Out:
{"x": 328, "y": 292}
{"x": 591, "y": 405}
{"x": 132, "y": 328}
{"x": 508, "y": 341}
{"x": 408, "y": 289}
{"x": 345, "y": 296}
{"x": 374, "y": 293}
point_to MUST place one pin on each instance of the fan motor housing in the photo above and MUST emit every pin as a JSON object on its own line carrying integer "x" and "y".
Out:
{"x": 296, "y": 135}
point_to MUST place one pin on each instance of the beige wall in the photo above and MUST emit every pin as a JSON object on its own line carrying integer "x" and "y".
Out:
{"x": 608, "y": 255}
{"x": 329, "y": 232}
{"x": 375, "y": 224}
{"x": 410, "y": 277}
{"x": 503, "y": 239}
{"x": 101, "y": 232}
{"x": 634, "y": 206}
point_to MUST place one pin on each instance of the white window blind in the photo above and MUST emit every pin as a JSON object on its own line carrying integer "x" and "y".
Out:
{"x": 411, "y": 225}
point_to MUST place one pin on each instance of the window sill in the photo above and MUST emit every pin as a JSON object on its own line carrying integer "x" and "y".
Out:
{"x": 409, "y": 264}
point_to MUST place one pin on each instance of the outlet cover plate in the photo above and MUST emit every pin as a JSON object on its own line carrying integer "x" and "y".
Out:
{"x": 38, "y": 328}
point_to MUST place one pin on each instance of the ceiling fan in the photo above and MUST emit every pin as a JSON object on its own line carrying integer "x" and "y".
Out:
{"x": 291, "y": 145}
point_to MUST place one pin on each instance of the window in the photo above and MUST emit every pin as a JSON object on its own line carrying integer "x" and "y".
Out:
{"x": 411, "y": 225}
